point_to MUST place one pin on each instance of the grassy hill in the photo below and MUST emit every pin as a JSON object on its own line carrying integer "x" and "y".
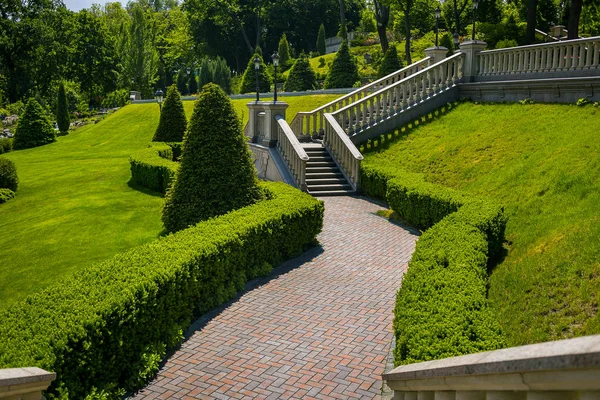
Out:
{"x": 74, "y": 206}
{"x": 543, "y": 163}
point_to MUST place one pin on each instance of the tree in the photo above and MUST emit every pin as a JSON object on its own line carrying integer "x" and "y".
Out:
{"x": 343, "y": 26}
{"x": 574, "y": 16}
{"x": 34, "y": 128}
{"x": 206, "y": 72}
{"x": 192, "y": 84}
{"x": 321, "y": 45}
{"x": 390, "y": 63}
{"x": 217, "y": 174}
{"x": 172, "y": 123}
{"x": 343, "y": 72}
{"x": 382, "y": 16}
{"x": 284, "y": 52}
{"x": 62, "y": 110}
{"x": 182, "y": 81}
{"x": 222, "y": 75}
{"x": 531, "y": 20}
{"x": 142, "y": 58}
{"x": 301, "y": 77}
{"x": 249, "y": 78}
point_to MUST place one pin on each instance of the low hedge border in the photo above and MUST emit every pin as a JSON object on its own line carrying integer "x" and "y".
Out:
{"x": 441, "y": 308}
{"x": 108, "y": 326}
{"x": 154, "y": 168}
{"x": 6, "y": 195}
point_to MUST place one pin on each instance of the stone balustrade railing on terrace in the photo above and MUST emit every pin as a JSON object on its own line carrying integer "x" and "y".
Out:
{"x": 291, "y": 151}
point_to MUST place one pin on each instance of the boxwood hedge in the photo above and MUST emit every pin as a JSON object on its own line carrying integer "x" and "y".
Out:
{"x": 107, "y": 326}
{"x": 153, "y": 168}
{"x": 6, "y": 195}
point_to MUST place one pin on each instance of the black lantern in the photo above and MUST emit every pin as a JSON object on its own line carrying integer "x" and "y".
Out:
{"x": 475, "y": 4}
{"x": 256, "y": 68}
{"x": 438, "y": 14}
{"x": 275, "y": 58}
{"x": 158, "y": 95}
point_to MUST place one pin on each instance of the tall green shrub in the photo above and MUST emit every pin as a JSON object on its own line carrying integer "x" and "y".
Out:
{"x": 217, "y": 174}
{"x": 172, "y": 123}
{"x": 206, "y": 72}
{"x": 301, "y": 77}
{"x": 222, "y": 75}
{"x": 181, "y": 81}
{"x": 321, "y": 45}
{"x": 249, "y": 78}
{"x": 62, "y": 110}
{"x": 343, "y": 72}
{"x": 284, "y": 52}
{"x": 34, "y": 128}
{"x": 390, "y": 63}
{"x": 8, "y": 175}
{"x": 192, "y": 84}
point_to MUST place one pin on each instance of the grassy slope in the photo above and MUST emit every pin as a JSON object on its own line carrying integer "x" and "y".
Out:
{"x": 74, "y": 206}
{"x": 542, "y": 162}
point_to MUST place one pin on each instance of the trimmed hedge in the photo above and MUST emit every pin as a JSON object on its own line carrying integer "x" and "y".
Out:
{"x": 107, "y": 326}
{"x": 6, "y": 195}
{"x": 6, "y": 145}
{"x": 153, "y": 168}
{"x": 8, "y": 175}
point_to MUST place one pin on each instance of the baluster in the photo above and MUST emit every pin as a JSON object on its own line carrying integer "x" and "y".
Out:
{"x": 448, "y": 69}
{"x": 307, "y": 126}
{"x": 569, "y": 57}
{"x": 589, "y": 49}
{"x": 561, "y": 57}
{"x": 581, "y": 56}
{"x": 596, "y": 60}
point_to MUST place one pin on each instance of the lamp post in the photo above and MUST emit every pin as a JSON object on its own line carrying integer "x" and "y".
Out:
{"x": 158, "y": 95}
{"x": 475, "y": 4}
{"x": 275, "y": 58}
{"x": 438, "y": 14}
{"x": 455, "y": 40}
{"x": 256, "y": 68}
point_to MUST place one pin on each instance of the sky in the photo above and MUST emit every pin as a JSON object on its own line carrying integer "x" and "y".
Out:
{"x": 76, "y": 5}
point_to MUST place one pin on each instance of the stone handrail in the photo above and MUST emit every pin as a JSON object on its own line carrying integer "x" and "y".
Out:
{"x": 307, "y": 123}
{"x": 566, "y": 370}
{"x": 568, "y": 55}
{"x": 24, "y": 383}
{"x": 291, "y": 151}
{"x": 401, "y": 95}
{"x": 342, "y": 149}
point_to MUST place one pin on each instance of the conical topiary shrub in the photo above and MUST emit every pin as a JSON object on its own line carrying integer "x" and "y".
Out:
{"x": 343, "y": 72}
{"x": 390, "y": 63}
{"x": 62, "y": 110}
{"x": 301, "y": 77}
{"x": 216, "y": 173}
{"x": 249, "y": 78}
{"x": 34, "y": 128}
{"x": 172, "y": 124}
{"x": 321, "y": 43}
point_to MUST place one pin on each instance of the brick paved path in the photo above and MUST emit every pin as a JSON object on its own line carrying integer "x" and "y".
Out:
{"x": 321, "y": 330}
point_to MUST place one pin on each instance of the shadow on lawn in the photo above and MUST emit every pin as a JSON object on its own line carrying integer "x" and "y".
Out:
{"x": 144, "y": 190}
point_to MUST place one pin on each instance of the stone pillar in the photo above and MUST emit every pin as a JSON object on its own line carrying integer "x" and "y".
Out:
{"x": 437, "y": 53}
{"x": 272, "y": 109}
{"x": 24, "y": 383}
{"x": 254, "y": 107}
{"x": 471, "y": 65}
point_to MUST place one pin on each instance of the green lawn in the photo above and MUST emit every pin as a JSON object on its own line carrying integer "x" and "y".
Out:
{"x": 74, "y": 206}
{"x": 543, "y": 163}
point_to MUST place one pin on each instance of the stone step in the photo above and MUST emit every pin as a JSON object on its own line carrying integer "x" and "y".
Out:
{"x": 326, "y": 181}
{"x": 330, "y": 187}
{"x": 332, "y": 193}
{"x": 313, "y": 158}
{"x": 330, "y": 164}
{"x": 323, "y": 175}
{"x": 318, "y": 170}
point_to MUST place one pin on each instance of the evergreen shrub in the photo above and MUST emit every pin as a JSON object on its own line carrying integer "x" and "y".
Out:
{"x": 109, "y": 325}
{"x": 343, "y": 72}
{"x": 249, "y": 77}
{"x": 33, "y": 128}
{"x": 6, "y": 145}
{"x": 222, "y": 75}
{"x": 284, "y": 53}
{"x": 217, "y": 174}
{"x": 153, "y": 168}
{"x": 173, "y": 123}
{"x": 8, "y": 175}
{"x": 63, "y": 120}
{"x": 118, "y": 98}
{"x": 6, "y": 195}
{"x": 321, "y": 44}
{"x": 301, "y": 76}
{"x": 192, "y": 84}
{"x": 390, "y": 63}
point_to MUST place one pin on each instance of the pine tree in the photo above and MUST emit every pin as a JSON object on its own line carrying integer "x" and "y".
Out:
{"x": 284, "y": 52}
{"x": 62, "y": 110}
{"x": 206, "y": 72}
{"x": 181, "y": 82}
{"x": 301, "y": 77}
{"x": 343, "y": 72}
{"x": 192, "y": 84}
{"x": 249, "y": 78}
{"x": 172, "y": 123}
{"x": 34, "y": 128}
{"x": 390, "y": 63}
{"x": 321, "y": 45}
{"x": 217, "y": 174}
{"x": 222, "y": 75}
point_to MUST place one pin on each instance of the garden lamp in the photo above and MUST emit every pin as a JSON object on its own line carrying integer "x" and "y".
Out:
{"x": 158, "y": 95}
{"x": 475, "y": 4}
{"x": 275, "y": 58}
{"x": 438, "y": 14}
{"x": 256, "y": 68}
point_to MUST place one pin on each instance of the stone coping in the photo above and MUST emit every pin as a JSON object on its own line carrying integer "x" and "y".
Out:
{"x": 570, "y": 354}
{"x": 23, "y": 376}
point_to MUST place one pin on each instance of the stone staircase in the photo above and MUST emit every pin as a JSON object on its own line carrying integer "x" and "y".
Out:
{"x": 323, "y": 176}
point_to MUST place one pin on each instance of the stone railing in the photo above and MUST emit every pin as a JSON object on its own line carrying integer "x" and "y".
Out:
{"x": 24, "y": 383}
{"x": 400, "y": 95}
{"x": 568, "y": 55}
{"x": 561, "y": 370}
{"x": 291, "y": 151}
{"x": 310, "y": 122}
{"x": 342, "y": 149}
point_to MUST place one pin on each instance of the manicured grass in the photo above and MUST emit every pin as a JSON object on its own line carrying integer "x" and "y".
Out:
{"x": 74, "y": 206}
{"x": 542, "y": 162}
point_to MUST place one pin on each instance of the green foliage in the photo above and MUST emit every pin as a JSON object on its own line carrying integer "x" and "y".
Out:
{"x": 182, "y": 82}
{"x": 301, "y": 77}
{"x": 447, "y": 41}
{"x": 343, "y": 72}
{"x": 6, "y": 195}
{"x": 6, "y": 145}
{"x": 206, "y": 72}
{"x": 118, "y": 98}
{"x": 173, "y": 123}
{"x": 217, "y": 174}
{"x": 321, "y": 44}
{"x": 249, "y": 78}
{"x": 391, "y": 63}
{"x": 105, "y": 328}
{"x": 62, "y": 110}
{"x": 222, "y": 75}
{"x": 16, "y": 108}
{"x": 8, "y": 175}
{"x": 192, "y": 84}
{"x": 284, "y": 52}
{"x": 34, "y": 128}
{"x": 367, "y": 21}
{"x": 506, "y": 43}
{"x": 582, "y": 102}
{"x": 153, "y": 168}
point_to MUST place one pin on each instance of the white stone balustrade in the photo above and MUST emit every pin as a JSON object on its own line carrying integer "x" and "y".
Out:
{"x": 308, "y": 123}
{"x": 560, "y": 370}
{"x": 291, "y": 151}
{"x": 401, "y": 95}
{"x": 569, "y": 55}
{"x": 342, "y": 149}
